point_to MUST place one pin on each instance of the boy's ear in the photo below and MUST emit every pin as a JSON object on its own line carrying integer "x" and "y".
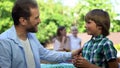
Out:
{"x": 99, "y": 27}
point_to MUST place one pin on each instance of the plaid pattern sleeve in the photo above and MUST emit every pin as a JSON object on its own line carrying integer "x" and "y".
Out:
{"x": 99, "y": 50}
{"x": 109, "y": 51}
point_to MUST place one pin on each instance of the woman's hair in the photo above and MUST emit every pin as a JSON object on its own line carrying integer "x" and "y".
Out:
{"x": 60, "y": 28}
{"x": 101, "y": 18}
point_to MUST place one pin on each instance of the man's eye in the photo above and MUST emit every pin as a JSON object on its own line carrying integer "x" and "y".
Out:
{"x": 36, "y": 17}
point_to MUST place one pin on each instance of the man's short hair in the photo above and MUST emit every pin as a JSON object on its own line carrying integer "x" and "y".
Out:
{"x": 21, "y": 8}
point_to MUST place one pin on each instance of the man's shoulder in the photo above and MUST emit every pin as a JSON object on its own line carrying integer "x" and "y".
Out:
{"x": 9, "y": 33}
{"x": 5, "y": 42}
{"x": 4, "y": 34}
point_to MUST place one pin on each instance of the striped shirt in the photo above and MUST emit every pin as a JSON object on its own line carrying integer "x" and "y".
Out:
{"x": 99, "y": 50}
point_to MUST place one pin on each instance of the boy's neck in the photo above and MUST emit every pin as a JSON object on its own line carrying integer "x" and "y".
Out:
{"x": 99, "y": 32}
{"x": 96, "y": 35}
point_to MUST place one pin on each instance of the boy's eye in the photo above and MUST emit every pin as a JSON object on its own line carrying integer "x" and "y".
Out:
{"x": 88, "y": 22}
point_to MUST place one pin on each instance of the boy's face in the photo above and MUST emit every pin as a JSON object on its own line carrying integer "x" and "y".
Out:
{"x": 92, "y": 28}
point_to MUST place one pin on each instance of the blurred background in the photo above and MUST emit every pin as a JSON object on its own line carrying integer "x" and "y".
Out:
{"x": 54, "y": 13}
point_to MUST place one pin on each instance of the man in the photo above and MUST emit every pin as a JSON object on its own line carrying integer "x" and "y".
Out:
{"x": 18, "y": 45}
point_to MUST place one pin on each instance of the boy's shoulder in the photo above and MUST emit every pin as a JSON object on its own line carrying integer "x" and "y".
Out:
{"x": 103, "y": 41}
{"x": 106, "y": 40}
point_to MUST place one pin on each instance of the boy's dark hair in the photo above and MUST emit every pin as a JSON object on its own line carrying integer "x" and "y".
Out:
{"x": 60, "y": 28}
{"x": 101, "y": 18}
{"x": 21, "y": 8}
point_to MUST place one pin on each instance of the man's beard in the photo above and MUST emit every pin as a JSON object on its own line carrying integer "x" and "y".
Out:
{"x": 33, "y": 30}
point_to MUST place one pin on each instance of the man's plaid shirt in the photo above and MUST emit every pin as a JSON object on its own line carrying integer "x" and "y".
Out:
{"x": 99, "y": 50}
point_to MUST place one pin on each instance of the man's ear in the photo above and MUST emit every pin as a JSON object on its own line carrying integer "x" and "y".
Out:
{"x": 22, "y": 21}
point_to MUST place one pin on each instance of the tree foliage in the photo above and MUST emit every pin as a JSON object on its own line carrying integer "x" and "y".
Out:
{"x": 54, "y": 14}
{"x": 85, "y": 6}
{"x": 5, "y": 14}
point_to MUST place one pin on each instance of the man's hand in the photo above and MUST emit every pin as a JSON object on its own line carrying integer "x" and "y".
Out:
{"x": 76, "y": 52}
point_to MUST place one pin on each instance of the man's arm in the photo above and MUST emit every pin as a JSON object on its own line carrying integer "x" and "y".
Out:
{"x": 5, "y": 57}
{"x": 55, "y": 56}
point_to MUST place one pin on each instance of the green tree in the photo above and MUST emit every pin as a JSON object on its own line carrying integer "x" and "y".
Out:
{"x": 54, "y": 14}
{"x": 5, "y": 14}
{"x": 85, "y": 6}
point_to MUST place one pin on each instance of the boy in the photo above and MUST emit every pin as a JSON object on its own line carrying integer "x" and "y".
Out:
{"x": 99, "y": 50}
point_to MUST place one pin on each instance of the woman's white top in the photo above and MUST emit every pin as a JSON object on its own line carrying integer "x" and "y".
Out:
{"x": 57, "y": 44}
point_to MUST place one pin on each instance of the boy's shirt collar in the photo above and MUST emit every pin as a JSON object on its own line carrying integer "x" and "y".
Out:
{"x": 97, "y": 38}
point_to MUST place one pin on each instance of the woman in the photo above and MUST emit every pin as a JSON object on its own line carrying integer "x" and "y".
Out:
{"x": 61, "y": 42}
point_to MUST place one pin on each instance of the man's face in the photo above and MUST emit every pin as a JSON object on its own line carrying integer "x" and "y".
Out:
{"x": 34, "y": 20}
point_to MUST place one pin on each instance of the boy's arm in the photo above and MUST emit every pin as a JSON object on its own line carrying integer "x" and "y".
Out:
{"x": 93, "y": 66}
{"x": 113, "y": 63}
{"x": 79, "y": 61}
